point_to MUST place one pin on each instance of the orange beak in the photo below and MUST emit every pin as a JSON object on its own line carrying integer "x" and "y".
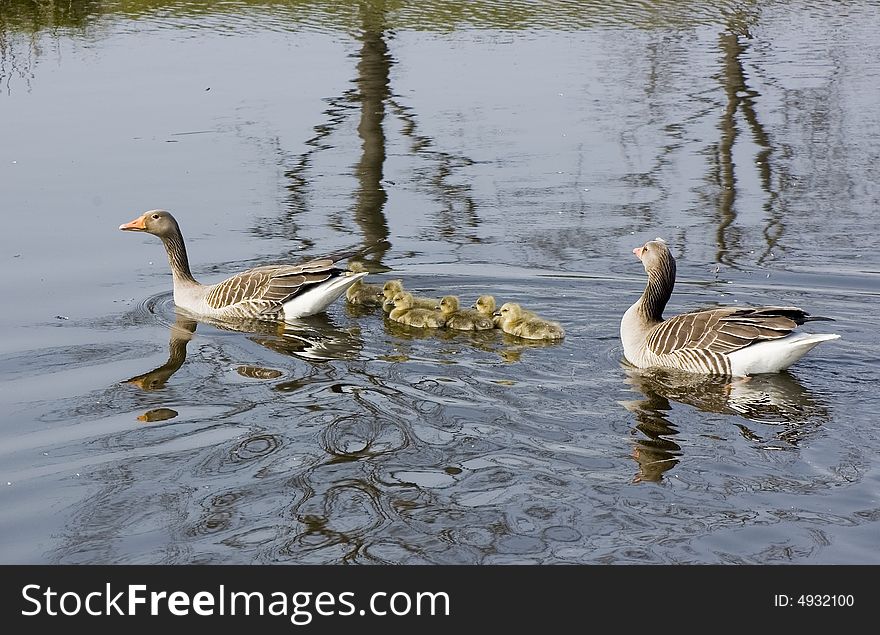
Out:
{"x": 137, "y": 225}
{"x": 637, "y": 251}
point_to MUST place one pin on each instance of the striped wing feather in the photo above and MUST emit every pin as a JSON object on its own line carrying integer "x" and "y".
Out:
{"x": 271, "y": 285}
{"x": 724, "y": 330}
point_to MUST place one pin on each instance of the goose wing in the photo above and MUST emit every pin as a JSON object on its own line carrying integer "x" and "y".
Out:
{"x": 271, "y": 285}
{"x": 724, "y": 330}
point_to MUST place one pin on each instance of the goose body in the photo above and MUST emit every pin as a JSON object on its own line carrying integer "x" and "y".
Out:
{"x": 267, "y": 292}
{"x": 512, "y": 320}
{"x": 463, "y": 319}
{"x": 735, "y": 341}
{"x": 406, "y": 312}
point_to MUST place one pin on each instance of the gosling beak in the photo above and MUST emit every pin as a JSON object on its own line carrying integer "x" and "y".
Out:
{"x": 496, "y": 314}
{"x": 137, "y": 225}
{"x": 638, "y": 252}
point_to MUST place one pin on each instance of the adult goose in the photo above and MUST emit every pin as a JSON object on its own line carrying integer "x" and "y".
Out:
{"x": 268, "y": 292}
{"x": 735, "y": 341}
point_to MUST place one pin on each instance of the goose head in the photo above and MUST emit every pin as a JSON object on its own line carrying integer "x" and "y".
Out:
{"x": 157, "y": 222}
{"x": 655, "y": 255}
{"x": 449, "y": 304}
{"x": 485, "y": 304}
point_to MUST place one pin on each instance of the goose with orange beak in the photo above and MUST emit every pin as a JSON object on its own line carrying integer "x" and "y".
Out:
{"x": 278, "y": 291}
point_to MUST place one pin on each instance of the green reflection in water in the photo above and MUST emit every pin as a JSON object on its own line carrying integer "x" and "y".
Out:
{"x": 33, "y": 16}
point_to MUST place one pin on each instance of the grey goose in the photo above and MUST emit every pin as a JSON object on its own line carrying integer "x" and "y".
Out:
{"x": 735, "y": 341}
{"x": 282, "y": 291}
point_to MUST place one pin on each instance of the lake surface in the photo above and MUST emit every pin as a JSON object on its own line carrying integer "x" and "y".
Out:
{"x": 516, "y": 148}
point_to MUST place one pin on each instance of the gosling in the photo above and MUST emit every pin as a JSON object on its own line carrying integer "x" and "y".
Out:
{"x": 485, "y": 305}
{"x": 513, "y": 321}
{"x": 463, "y": 319}
{"x": 393, "y": 287}
{"x": 406, "y": 313}
{"x": 361, "y": 293}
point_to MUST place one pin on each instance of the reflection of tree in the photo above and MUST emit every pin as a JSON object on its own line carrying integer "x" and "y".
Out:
{"x": 778, "y": 400}
{"x": 740, "y": 99}
{"x": 373, "y": 87}
{"x": 371, "y": 99}
{"x": 21, "y": 28}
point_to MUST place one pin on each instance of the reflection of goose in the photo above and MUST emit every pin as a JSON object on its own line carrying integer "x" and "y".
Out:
{"x": 774, "y": 398}
{"x": 726, "y": 341}
{"x": 655, "y": 452}
{"x": 181, "y": 333}
{"x": 770, "y": 399}
{"x": 268, "y": 292}
{"x": 315, "y": 338}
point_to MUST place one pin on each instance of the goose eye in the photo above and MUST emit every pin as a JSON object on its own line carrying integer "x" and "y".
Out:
{"x": 155, "y": 217}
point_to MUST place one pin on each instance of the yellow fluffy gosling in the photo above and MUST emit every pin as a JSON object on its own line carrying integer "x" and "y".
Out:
{"x": 485, "y": 305}
{"x": 463, "y": 319}
{"x": 361, "y": 293}
{"x": 513, "y": 321}
{"x": 406, "y": 313}
{"x": 393, "y": 287}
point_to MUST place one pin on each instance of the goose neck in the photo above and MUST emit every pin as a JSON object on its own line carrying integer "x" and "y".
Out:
{"x": 177, "y": 258}
{"x": 661, "y": 280}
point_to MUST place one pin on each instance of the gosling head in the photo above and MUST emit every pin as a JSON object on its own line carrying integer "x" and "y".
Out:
{"x": 509, "y": 311}
{"x": 485, "y": 304}
{"x": 357, "y": 266}
{"x": 449, "y": 304}
{"x": 403, "y": 300}
{"x": 392, "y": 288}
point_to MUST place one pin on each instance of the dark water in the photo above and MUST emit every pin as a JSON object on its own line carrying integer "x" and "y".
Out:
{"x": 521, "y": 149}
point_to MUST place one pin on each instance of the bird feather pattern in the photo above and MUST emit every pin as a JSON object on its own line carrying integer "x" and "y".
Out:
{"x": 724, "y": 330}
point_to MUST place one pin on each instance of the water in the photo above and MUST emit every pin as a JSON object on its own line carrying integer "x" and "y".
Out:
{"x": 521, "y": 149}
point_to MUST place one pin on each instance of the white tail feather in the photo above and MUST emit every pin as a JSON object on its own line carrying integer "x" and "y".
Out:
{"x": 771, "y": 356}
{"x": 320, "y": 296}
